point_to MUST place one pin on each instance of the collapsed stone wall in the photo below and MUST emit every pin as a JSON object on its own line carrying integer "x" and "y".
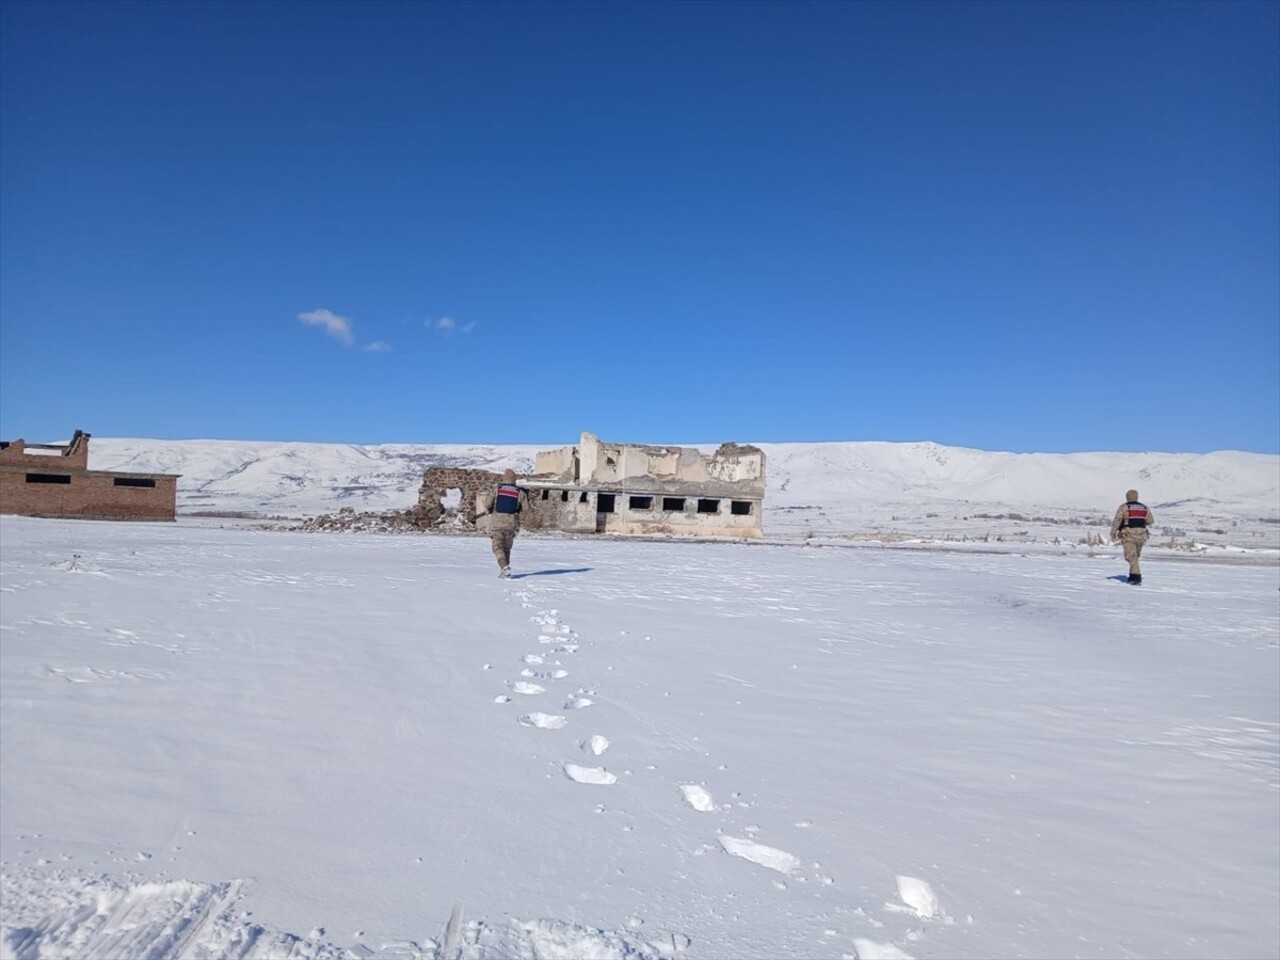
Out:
{"x": 438, "y": 481}
{"x": 430, "y": 512}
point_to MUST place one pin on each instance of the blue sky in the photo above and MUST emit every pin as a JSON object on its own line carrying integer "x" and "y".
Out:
{"x": 1010, "y": 226}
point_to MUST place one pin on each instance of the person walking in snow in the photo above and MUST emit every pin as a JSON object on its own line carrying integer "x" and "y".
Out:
{"x": 503, "y": 508}
{"x": 1129, "y": 528}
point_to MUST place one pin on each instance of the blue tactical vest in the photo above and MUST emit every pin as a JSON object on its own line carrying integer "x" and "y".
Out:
{"x": 1137, "y": 515}
{"x": 508, "y": 499}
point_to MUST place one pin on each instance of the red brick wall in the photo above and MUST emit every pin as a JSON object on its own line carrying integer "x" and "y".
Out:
{"x": 89, "y": 495}
{"x": 14, "y": 455}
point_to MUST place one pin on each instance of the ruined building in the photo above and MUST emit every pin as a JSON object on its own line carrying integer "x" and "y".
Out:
{"x": 599, "y": 487}
{"x": 435, "y": 503}
{"x": 54, "y": 480}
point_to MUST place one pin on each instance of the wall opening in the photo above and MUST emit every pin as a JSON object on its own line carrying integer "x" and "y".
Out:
{"x": 640, "y": 503}
{"x": 133, "y": 482}
{"x": 708, "y": 506}
{"x": 582, "y": 497}
{"x": 452, "y": 498}
{"x": 48, "y": 478}
{"x": 546, "y": 494}
{"x": 673, "y": 504}
{"x": 564, "y": 496}
{"x": 740, "y": 508}
{"x": 604, "y": 503}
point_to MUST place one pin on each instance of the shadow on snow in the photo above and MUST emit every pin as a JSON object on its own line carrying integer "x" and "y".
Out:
{"x": 548, "y": 573}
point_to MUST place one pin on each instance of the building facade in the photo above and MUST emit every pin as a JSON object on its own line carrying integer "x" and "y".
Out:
{"x": 599, "y": 487}
{"x": 54, "y": 480}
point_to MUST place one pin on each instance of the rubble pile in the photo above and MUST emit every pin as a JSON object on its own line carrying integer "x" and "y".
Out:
{"x": 413, "y": 520}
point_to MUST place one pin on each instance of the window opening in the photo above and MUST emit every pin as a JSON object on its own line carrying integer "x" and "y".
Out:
{"x": 641, "y": 503}
{"x": 708, "y": 506}
{"x": 740, "y": 508}
{"x": 604, "y": 503}
{"x": 133, "y": 482}
{"x": 675, "y": 504}
{"x": 48, "y": 478}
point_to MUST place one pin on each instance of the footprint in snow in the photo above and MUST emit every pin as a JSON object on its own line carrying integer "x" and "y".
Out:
{"x": 529, "y": 689}
{"x": 596, "y": 744}
{"x": 697, "y": 797}
{"x": 544, "y": 721}
{"x": 876, "y": 950}
{"x": 918, "y": 895}
{"x": 758, "y": 853}
{"x": 577, "y": 703}
{"x": 597, "y": 776}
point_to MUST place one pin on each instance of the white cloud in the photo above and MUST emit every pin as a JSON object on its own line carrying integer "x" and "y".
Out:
{"x": 335, "y": 326}
{"x": 448, "y": 326}
{"x": 378, "y": 346}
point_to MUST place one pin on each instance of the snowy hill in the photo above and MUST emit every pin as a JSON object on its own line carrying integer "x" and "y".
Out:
{"x": 816, "y": 489}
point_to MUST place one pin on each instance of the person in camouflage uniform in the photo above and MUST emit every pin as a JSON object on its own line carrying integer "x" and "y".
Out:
{"x": 1130, "y": 528}
{"x": 503, "y": 508}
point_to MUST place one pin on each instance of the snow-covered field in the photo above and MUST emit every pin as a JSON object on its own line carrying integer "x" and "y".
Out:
{"x": 222, "y": 742}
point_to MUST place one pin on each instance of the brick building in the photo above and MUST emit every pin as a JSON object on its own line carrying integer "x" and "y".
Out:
{"x": 54, "y": 480}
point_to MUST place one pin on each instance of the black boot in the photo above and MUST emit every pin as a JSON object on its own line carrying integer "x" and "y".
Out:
{"x": 1135, "y": 578}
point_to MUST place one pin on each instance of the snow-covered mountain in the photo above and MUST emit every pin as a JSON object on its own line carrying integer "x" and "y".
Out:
{"x": 812, "y": 488}
{"x": 295, "y": 479}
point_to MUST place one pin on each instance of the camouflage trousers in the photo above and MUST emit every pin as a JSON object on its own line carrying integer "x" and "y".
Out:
{"x": 503, "y": 538}
{"x": 1133, "y": 541}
